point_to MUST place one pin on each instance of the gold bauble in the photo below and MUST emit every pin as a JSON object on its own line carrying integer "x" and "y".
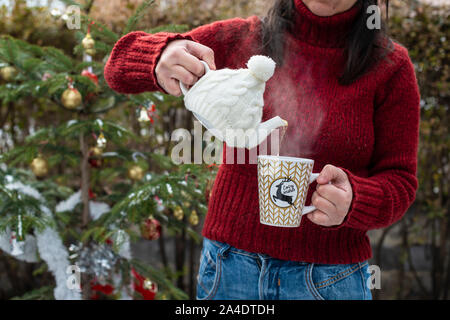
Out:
{"x": 135, "y": 173}
{"x": 178, "y": 213}
{"x": 186, "y": 204}
{"x": 39, "y": 166}
{"x": 193, "y": 218}
{"x": 8, "y": 73}
{"x": 90, "y": 52}
{"x": 88, "y": 42}
{"x": 71, "y": 98}
{"x": 95, "y": 152}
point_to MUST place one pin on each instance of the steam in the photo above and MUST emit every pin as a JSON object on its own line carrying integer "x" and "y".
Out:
{"x": 294, "y": 94}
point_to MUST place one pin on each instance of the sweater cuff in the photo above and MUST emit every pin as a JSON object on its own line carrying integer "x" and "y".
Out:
{"x": 157, "y": 43}
{"x": 131, "y": 66}
{"x": 368, "y": 199}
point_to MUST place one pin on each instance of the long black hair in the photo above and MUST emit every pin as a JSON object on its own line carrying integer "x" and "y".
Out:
{"x": 363, "y": 47}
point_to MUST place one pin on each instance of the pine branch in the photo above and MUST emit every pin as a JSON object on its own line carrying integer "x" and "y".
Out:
{"x": 43, "y": 293}
{"x": 88, "y": 6}
{"x": 175, "y": 28}
{"x": 58, "y": 60}
{"x": 99, "y": 31}
{"x": 138, "y": 14}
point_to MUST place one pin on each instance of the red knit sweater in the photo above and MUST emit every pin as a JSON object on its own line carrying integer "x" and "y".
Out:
{"x": 369, "y": 129}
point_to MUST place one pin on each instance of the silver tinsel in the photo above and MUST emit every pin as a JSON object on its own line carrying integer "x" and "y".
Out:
{"x": 98, "y": 260}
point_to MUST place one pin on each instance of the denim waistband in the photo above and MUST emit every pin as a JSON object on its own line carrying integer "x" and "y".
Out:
{"x": 225, "y": 248}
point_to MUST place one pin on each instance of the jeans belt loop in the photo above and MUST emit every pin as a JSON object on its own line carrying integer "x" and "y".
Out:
{"x": 224, "y": 250}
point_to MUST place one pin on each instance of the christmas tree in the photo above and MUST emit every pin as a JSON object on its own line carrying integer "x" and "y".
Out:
{"x": 74, "y": 194}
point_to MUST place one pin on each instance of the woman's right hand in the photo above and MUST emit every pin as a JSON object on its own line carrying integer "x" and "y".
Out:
{"x": 180, "y": 61}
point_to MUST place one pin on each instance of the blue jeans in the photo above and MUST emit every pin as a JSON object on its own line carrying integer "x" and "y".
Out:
{"x": 228, "y": 273}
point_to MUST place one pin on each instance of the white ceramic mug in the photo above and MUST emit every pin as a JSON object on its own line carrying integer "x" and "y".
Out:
{"x": 283, "y": 184}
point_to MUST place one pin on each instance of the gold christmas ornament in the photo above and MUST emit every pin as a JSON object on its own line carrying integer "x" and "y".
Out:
{"x": 151, "y": 229}
{"x": 8, "y": 73}
{"x": 135, "y": 173}
{"x": 90, "y": 52}
{"x": 193, "y": 218}
{"x": 143, "y": 115}
{"x": 88, "y": 44}
{"x": 186, "y": 204}
{"x": 71, "y": 98}
{"x": 178, "y": 213}
{"x": 101, "y": 141}
{"x": 39, "y": 166}
{"x": 95, "y": 152}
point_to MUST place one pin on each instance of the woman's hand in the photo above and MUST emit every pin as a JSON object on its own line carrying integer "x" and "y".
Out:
{"x": 332, "y": 200}
{"x": 180, "y": 61}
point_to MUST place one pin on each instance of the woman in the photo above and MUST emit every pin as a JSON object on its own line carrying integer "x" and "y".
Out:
{"x": 350, "y": 96}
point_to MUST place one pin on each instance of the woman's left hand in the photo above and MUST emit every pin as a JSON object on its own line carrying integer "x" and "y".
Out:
{"x": 332, "y": 200}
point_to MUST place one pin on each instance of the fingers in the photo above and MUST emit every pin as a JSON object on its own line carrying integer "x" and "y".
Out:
{"x": 319, "y": 217}
{"x": 170, "y": 79}
{"x": 180, "y": 73}
{"x": 202, "y": 52}
{"x": 180, "y": 62}
{"x": 172, "y": 86}
{"x": 191, "y": 63}
{"x": 323, "y": 204}
{"x": 323, "y": 219}
{"x": 332, "y": 173}
{"x": 328, "y": 213}
{"x": 332, "y": 201}
{"x": 331, "y": 193}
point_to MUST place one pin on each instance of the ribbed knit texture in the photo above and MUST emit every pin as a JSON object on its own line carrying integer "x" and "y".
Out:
{"x": 369, "y": 129}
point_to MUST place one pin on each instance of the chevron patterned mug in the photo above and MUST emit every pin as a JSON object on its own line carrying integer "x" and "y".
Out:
{"x": 283, "y": 184}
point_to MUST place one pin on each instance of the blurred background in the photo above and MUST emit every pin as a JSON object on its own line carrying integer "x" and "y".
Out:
{"x": 413, "y": 254}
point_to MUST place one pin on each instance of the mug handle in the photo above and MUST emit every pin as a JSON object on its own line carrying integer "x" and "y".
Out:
{"x": 183, "y": 87}
{"x": 309, "y": 209}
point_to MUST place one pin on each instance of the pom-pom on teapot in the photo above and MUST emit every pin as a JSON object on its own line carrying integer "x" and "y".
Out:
{"x": 229, "y": 103}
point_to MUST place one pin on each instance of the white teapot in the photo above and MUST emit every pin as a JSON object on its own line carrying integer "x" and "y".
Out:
{"x": 229, "y": 103}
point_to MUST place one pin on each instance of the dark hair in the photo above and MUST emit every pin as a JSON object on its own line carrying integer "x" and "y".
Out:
{"x": 363, "y": 47}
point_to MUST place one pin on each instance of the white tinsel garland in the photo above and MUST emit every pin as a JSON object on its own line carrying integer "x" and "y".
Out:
{"x": 55, "y": 254}
{"x": 50, "y": 247}
{"x": 30, "y": 248}
{"x": 97, "y": 209}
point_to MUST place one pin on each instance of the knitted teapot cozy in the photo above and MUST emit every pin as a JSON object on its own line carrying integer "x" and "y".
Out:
{"x": 229, "y": 103}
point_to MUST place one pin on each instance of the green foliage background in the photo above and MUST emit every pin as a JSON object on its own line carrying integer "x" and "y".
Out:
{"x": 423, "y": 29}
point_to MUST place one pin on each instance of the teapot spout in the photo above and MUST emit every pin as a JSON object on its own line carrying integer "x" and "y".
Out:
{"x": 264, "y": 130}
{"x": 274, "y": 123}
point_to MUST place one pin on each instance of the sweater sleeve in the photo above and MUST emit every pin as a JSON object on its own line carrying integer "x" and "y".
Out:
{"x": 383, "y": 197}
{"x": 131, "y": 66}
